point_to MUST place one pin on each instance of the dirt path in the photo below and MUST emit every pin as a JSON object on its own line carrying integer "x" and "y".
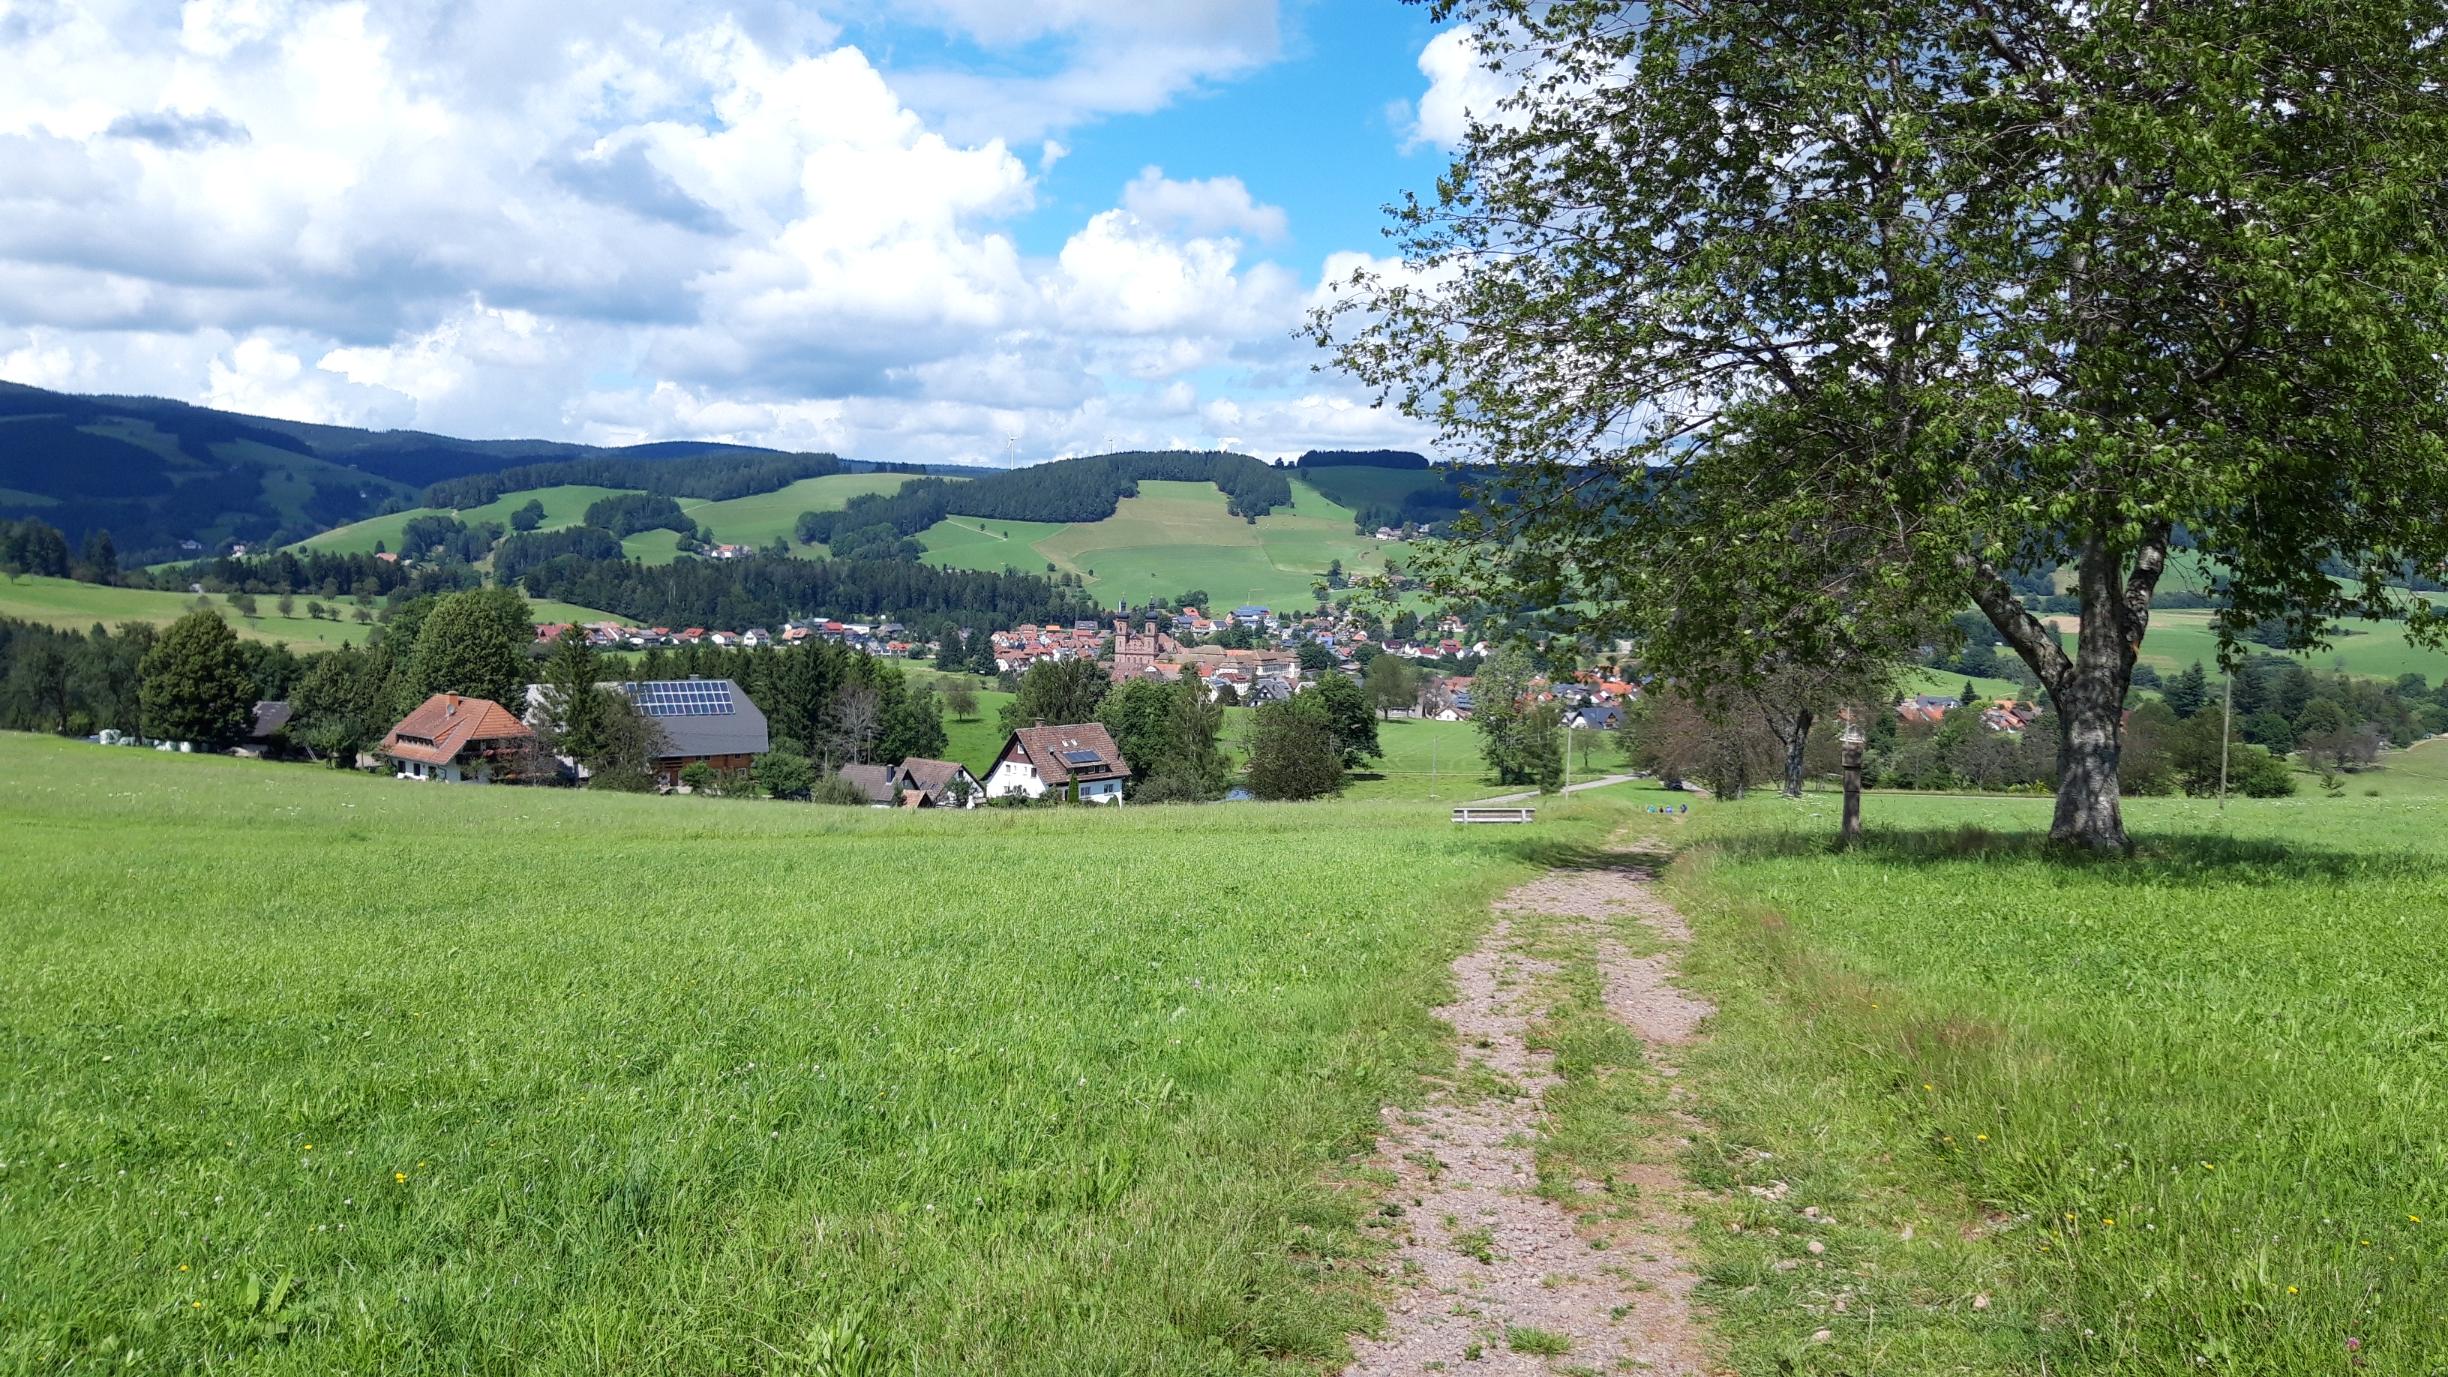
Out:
{"x": 1496, "y": 1276}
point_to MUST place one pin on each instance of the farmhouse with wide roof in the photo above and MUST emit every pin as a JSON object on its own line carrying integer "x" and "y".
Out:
{"x": 1081, "y": 758}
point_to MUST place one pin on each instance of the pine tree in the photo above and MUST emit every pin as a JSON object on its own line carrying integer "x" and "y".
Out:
{"x": 2187, "y": 693}
{"x": 574, "y": 707}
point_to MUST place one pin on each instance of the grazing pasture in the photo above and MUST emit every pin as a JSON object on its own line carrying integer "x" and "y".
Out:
{"x": 2371, "y": 649}
{"x": 315, "y": 1073}
{"x": 753, "y": 520}
{"x": 761, "y": 518}
{"x": 2179, "y": 1114}
{"x": 1171, "y": 538}
{"x": 74, "y": 606}
{"x": 564, "y": 505}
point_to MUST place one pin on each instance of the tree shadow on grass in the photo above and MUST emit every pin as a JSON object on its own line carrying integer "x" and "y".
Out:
{"x": 1553, "y": 853}
{"x": 2158, "y": 857}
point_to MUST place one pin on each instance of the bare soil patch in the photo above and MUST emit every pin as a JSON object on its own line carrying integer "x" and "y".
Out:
{"x": 1493, "y": 1274}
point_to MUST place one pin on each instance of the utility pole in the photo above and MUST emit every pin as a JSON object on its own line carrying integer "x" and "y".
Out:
{"x": 2226, "y": 730}
{"x": 1568, "y": 757}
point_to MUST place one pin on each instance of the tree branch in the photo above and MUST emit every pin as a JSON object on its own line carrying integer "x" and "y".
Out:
{"x": 2026, "y": 633}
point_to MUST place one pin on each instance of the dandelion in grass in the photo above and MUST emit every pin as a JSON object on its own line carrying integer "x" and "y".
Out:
{"x": 1980, "y": 1137}
{"x": 400, "y": 1176}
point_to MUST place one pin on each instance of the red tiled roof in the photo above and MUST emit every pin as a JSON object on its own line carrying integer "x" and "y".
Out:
{"x": 447, "y": 724}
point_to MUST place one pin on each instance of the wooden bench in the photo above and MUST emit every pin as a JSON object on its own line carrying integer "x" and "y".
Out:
{"x": 1495, "y": 814}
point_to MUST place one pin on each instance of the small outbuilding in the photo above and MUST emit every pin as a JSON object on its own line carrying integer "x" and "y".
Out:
{"x": 943, "y": 783}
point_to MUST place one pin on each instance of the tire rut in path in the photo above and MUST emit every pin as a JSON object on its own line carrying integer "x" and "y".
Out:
{"x": 1481, "y": 1252}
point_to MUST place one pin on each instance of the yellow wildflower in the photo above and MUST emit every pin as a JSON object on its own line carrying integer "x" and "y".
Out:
{"x": 399, "y": 1176}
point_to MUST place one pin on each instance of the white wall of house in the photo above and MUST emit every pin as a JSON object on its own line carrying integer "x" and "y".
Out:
{"x": 1101, "y": 791}
{"x": 1015, "y": 777}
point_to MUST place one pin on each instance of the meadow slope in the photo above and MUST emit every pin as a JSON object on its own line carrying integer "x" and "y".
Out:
{"x": 1173, "y": 538}
{"x": 73, "y": 606}
{"x": 314, "y": 1072}
{"x": 1976, "y": 1108}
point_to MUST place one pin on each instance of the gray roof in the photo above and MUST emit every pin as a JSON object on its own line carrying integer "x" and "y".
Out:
{"x": 875, "y": 781}
{"x": 701, "y": 717}
{"x": 270, "y": 716}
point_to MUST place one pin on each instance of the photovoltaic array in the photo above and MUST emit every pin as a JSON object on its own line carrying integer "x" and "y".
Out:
{"x": 681, "y": 698}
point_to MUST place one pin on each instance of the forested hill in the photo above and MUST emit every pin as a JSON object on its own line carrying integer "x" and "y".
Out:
{"x": 1083, "y": 489}
{"x": 155, "y": 473}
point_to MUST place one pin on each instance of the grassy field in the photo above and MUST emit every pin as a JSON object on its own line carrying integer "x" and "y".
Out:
{"x": 76, "y": 606}
{"x": 760, "y": 518}
{"x": 2033, "y": 1115}
{"x": 550, "y": 610}
{"x": 1946, "y": 685}
{"x": 752, "y": 520}
{"x": 1171, "y": 538}
{"x": 362, "y": 1075}
{"x": 2377, "y": 650}
{"x": 966, "y": 542}
{"x": 563, "y": 506}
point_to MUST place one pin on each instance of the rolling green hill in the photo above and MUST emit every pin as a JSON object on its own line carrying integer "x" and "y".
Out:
{"x": 754, "y": 520}
{"x": 766, "y": 517}
{"x": 78, "y": 606}
{"x": 1171, "y": 538}
{"x": 155, "y": 472}
{"x": 563, "y": 506}
{"x": 2376, "y": 650}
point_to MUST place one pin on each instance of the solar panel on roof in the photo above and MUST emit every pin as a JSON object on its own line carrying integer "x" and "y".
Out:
{"x": 1079, "y": 757}
{"x": 682, "y": 698}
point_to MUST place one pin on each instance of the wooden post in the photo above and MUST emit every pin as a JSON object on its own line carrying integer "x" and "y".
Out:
{"x": 1853, "y": 741}
{"x": 2226, "y": 731}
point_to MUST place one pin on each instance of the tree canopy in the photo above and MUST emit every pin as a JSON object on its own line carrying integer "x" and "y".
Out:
{"x": 1840, "y": 314}
{"x": 195, "y": 684}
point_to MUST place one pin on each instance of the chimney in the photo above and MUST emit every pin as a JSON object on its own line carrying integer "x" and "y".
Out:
{"x": 450, "y": 705}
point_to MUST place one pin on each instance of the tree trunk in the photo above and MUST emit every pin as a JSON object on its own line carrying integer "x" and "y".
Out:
{"x": 2087, "y": 688}
{"x": 2090, "y": 715}
{"x": 1795, "y": 746}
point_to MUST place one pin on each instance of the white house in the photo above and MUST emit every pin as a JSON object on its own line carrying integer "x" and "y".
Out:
{"x": 1082, "y": 759}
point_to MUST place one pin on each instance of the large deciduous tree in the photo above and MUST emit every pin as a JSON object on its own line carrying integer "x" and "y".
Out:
{"x": 1057, "y": 693}
{"x": 1846, "y": 313}
{"x": 473, "y": 643}
{"x": 195, "y": 685}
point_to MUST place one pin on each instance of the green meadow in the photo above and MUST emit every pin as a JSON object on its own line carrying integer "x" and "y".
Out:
{"x": 74, "y": 606}
{"x": 1971, "y": 1107}
{"x": 1172, "y": 538}
{"x": 564, "y": 505}
{"x": 753, "y": 520}
{"x": 762, "y": 518}
{"x": 2371, "y": 649}
{"x": 313, "y": 1073}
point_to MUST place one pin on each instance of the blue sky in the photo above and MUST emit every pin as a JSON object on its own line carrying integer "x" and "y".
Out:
{"x": 894, "y": 229}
